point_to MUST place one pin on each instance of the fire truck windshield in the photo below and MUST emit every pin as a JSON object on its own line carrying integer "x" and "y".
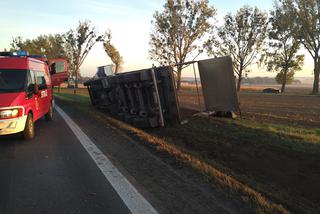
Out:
{"x": 12, "y": 80}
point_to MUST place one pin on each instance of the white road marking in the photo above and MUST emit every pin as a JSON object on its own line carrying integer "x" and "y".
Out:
{"x": 135, "y": 202}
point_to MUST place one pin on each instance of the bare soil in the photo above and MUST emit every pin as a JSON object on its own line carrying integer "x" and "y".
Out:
{"x": 295, "y": 108}
{"x": 303, "y": 110}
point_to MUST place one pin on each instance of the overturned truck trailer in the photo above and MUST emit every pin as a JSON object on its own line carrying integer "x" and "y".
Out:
{"x": 144, "y": 98}
{"x": 147, "y": 98}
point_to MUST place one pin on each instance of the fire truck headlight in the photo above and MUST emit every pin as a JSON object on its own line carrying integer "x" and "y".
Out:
{"x": 9, "y": 113}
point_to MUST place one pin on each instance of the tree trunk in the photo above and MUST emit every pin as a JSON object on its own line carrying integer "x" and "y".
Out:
{"x": 284, "y": 81}
{"x": 239, "y": 78}
{"x": 315, "y": 89}
{"x": 179, "y": 71}
{"x": 283, "y": 86}
{"x": 76, "y": 81}
{"x": 69, "y": 78}
{"x": 239, "y": 83}
{"x": 116, "y": 69}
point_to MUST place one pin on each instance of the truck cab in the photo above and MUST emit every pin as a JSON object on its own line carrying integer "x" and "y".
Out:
{"x": 26, "y": 90}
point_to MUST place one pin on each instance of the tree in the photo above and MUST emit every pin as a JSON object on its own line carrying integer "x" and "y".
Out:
{"x": 78, "y": 45}
{"x": 50, "y": 45}
{"x": 178, "y": 32}
{"x": 242, "y": 37}
{"x": 282, "y": 54}
{"x": 112, "y": 52}
{"x": 53, "y": 46}
{"x": 305, "y": 26}
{"x": 284, "y": 78}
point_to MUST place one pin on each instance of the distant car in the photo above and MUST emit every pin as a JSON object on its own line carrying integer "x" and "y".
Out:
{"x": 271, "y": 91}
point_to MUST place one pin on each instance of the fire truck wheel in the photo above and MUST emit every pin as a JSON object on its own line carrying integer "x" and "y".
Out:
{"x": 49, "y": 115}
{"x": 28, "y": 132}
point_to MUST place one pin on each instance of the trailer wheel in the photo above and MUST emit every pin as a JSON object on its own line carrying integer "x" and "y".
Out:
{"x": 28, "y": 132}
{"x": 49, "y": 115}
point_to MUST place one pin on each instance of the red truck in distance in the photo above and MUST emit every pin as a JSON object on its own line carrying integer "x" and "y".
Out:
{"x": 26, "y": 90}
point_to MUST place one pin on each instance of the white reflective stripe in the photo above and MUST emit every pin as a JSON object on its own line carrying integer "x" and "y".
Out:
{"x": 135, "y": 202}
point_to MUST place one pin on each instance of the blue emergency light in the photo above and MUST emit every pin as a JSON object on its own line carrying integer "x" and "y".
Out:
{"x": 22, "y": 53}
{"x": 16, "y": 53}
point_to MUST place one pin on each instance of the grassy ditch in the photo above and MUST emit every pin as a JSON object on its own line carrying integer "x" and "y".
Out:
{"x": 268, "y": 164}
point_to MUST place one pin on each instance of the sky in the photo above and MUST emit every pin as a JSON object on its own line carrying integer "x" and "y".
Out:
{"x": 128, "y": 20}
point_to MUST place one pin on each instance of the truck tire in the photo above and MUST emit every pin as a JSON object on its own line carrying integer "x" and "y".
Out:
{"x": 49, "y": 115}
{"x": 28, "y": 132}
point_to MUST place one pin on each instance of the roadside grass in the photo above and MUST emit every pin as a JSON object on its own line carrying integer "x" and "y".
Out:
{"x": 77, "y": 98}
{"x": 293, "y": 137}
{"x": 236, "y": 154}
{"x": 262, "y": 204}
{"x": 280, "y": 161}
{"x": 166, "y": 144}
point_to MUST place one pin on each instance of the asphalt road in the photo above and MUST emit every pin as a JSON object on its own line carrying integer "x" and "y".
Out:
{"x": 52, "y": 174}
{"x": 55, "y": 174}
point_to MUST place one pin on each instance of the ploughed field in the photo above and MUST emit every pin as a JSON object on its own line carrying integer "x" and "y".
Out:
{"x": 303, "y": 110}
{"x": 295, "y": 107}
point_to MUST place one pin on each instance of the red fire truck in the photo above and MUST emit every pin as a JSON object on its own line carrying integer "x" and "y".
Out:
{"x": 26, "y": 90}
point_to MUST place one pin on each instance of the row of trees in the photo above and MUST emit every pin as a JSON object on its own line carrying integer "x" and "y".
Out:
{"x": 73, "y": 45}
{"x": 184, "y": 29}
{"x": 187, "y": 28}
